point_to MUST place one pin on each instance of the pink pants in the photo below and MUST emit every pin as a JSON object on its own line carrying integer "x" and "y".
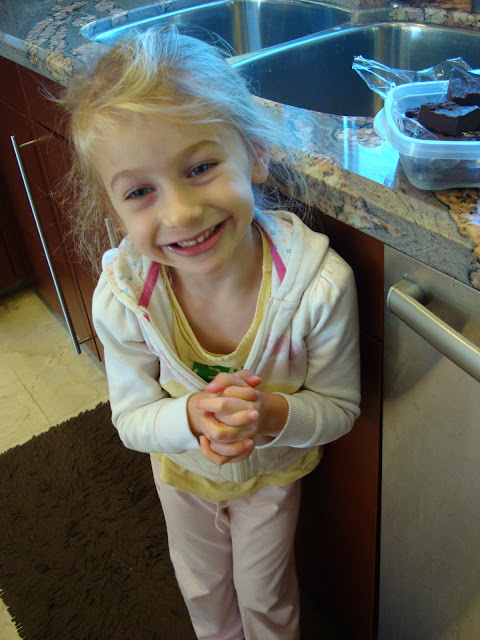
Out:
{"x": 234, "y": 561}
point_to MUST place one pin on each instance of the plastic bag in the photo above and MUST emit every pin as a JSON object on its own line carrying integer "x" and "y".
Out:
{"x": 381, "y": 79}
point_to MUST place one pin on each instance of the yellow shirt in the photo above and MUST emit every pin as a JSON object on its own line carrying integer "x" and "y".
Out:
{"x": 207, "y": 365}
{"x": 204, "y": 363}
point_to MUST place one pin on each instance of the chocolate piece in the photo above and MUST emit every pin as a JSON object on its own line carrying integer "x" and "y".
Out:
{"x": 465, "y": 91}
{"x": 412, "y": 112}
{"x": 449, "y": 117}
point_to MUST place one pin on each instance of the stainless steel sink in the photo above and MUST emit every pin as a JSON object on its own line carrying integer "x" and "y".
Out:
{"x": 245, "y": 25}
{"x": 316, "y": 72}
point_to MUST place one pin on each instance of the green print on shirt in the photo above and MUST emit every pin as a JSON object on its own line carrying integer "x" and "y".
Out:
{"x": 208, "y": 372}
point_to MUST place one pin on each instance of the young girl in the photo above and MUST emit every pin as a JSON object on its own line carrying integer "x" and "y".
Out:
{"x": 230, "y": 334}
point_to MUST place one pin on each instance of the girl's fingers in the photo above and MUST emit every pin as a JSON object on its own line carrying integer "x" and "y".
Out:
{"x": 240, "y": 452}
{"x": 218, "y": 404}
{"x": 233, "y": 426}
{"x": 248, "y": 376}
{"x": 232, "y": 449}
{"x": 209, "y": 454}
{"x": 219, "y": 431}
{"x": 231, "y": 411}
{"x": 239, "y": 419}
{"x": 248, "y": 394}
{"x": 246, "y": 419}
{"x": 242, "y": 378}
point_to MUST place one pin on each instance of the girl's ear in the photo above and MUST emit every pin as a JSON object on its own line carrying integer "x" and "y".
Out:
{"x": 261, "y": 162}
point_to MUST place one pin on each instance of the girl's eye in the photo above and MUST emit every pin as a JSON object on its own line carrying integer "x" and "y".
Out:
{"x": 201, "y": 168}
{"x": 138, "y": 193}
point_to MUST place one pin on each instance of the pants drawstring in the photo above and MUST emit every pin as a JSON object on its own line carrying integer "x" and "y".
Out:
{"x": 218, "y": 514}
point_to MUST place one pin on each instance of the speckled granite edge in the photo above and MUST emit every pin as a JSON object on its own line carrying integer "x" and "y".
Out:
{"x": 432, "y": 228}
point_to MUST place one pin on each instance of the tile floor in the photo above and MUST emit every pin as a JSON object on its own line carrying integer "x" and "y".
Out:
{"x": 43, "y": 382}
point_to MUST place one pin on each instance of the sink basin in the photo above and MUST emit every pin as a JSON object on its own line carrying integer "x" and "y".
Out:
{"x": 245, "y": 25}
{"x": 316, "y": 72}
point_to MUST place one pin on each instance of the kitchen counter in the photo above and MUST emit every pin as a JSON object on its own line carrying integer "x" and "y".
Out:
{"x": 356, "y": 175}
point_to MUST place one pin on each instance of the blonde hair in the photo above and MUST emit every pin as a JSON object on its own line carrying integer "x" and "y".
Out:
{"x": 172, "y": 76}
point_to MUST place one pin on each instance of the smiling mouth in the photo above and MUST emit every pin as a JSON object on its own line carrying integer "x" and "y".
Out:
{"x": 198, "y": 240}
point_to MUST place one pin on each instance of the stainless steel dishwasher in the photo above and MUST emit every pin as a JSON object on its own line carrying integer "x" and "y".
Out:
{"x": 430, "y": 491}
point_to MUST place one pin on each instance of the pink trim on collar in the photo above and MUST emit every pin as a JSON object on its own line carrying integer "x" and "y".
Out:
{"x": 277, "y": 260}
{"x": 150, "y": 282}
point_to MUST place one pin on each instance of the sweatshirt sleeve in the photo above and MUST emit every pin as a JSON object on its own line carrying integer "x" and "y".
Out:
{"x": 328, "y": 403}
{"x": 146, "y": 417}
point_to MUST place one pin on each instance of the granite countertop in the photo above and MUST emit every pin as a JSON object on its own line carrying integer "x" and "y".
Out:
{"x": 356, "y": 175}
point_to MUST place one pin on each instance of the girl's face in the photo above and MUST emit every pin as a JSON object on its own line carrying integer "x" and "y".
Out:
{"x": 182, "y": 192}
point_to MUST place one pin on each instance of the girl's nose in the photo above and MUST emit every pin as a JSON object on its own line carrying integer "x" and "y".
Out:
{"x": 180, "y": 209}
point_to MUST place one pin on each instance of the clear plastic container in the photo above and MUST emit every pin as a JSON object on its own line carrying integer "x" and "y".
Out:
{"x": 428, "y": 164}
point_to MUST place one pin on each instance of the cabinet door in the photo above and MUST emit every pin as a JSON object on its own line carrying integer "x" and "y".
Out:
{"x": 8, "y": 276}
{"x": 337, "y": 533}
{"x": 16, "y": 201}
{"x": 13, "y": 271}
{"x": 37, "y": 90}
{"x": 11, "y": 90}
{"x": 14, "y": 198}
{"x": 55, "y": 156}
{"x": 365, "y": 255}
{"x": 336, "y": 543}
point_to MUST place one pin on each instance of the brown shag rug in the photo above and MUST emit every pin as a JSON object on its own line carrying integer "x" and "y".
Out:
{"x": 83, "y": 545}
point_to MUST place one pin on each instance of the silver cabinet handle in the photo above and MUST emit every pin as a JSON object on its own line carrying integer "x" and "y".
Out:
{"x": 403, "y": 300}
{"x": 68, "y": 320}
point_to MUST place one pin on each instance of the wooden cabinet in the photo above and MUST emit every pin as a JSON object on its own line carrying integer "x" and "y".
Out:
{"x": 13, "y": 272}
{"x": 11, "y": 89}
{"x": 15, "y": 203}
{"x": 337, "y": 534}
{"x": 28, "y": 115}
{"x": 55, "y": 155}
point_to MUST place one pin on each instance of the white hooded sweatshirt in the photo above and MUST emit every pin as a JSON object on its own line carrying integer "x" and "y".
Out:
{"x": 307, "y": 346}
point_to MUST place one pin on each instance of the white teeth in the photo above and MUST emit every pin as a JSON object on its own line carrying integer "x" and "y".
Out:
{"x": 201, "y": 238}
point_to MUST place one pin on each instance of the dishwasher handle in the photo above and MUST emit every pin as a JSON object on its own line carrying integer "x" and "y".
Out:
{"x": 403, "y": 300}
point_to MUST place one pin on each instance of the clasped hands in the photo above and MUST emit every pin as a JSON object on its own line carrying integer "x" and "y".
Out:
{"x": 230, "y": 413}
